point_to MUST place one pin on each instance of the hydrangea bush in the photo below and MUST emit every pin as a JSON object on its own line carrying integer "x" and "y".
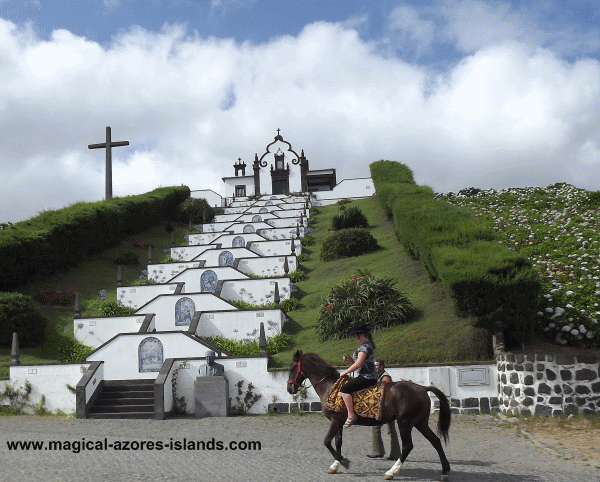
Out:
{"x": 557, "y": 228}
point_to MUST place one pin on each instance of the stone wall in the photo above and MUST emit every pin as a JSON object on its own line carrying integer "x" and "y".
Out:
{"x": 549, "y": 384}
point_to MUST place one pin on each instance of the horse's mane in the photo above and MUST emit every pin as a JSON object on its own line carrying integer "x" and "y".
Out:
{"x": 319, "y": 366}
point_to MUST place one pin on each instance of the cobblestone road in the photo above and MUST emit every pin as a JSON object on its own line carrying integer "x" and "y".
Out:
{"x": 291, "y": 450}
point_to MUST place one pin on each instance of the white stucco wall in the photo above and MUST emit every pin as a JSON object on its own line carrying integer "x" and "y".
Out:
{"x": 192, "y": 276}
{"x": 164, "y": 308}
{"x": 267, "y": 266}
{"x": 50, "y": 381}
{"x": 281, "y": 233}
{"x": 239, "y": 227}
{"x": 212, "y": 198}
{"x": 286, "y": 222}
{"x": 348, "y": 188}
{"x": 98, "y": 330}
{"x": 162, "y": 273}
{"x": 276, "y": 248}
{"x": 227, "y": 240}
{"x": 240, "y": 324}
{"x": 255, "y": 291}
{"x": 136, "y": 296}
{"x": 121, "y": 357}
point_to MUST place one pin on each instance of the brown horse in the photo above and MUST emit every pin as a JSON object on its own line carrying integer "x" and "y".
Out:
{"x": 406, "y": 402}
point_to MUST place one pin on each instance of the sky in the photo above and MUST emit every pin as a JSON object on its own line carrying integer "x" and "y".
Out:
{"x": 467, "y": 93}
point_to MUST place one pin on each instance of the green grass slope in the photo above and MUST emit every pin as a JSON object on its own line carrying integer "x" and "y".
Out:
{"x": 436, "y": 335}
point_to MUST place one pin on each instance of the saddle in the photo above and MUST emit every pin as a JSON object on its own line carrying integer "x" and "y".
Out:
{"x": 368, "y": 402}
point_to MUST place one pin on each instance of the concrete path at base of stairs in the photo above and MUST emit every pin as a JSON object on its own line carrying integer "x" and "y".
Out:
{"x": 291, "y": 449}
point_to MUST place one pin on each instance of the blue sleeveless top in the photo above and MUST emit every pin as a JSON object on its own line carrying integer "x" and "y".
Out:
{"x": 367, "y": 370}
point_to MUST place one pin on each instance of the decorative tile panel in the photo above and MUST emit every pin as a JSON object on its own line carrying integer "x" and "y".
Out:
{"x": 208, "y": 281}
{"x": 238, "y": 242}
{"x": 150, "y": 355}
{"x": 184, "y": 310}
{"x": 226, "y": 258}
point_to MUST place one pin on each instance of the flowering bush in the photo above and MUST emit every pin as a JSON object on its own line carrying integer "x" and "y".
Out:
{"x": 55, "y": 298}
{"x": 557, "y": 228}
{"x": 366, "y": 298}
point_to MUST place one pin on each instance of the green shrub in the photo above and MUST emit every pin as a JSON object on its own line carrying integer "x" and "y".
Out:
{"x": 244, "y": 305}
{"x": 302, "y": 257}
{"x": 70, "y": 350}
{"x": 349, "y": 218}
{"x": 290, "y": 304}
{"x": 307, "y": 240}
{"x": 276, "y": 344}
{"x": 127, "y": 259}
{"x": 112, "y": 308}
{"x": 55, "y": 240}
{"x": 348, "y": 243}
{"x": 192, "y": 209}
{"x": 364, "y": 298}
{"x": 18, "y": 313}
{"x": 298, "y": 275}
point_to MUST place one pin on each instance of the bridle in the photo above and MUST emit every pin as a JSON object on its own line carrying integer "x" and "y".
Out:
{"x": 295, "y": 381}
{"x": 300, "y": 383}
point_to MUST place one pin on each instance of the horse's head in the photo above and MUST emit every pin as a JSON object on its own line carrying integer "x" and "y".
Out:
{"x": 297, "y": 376}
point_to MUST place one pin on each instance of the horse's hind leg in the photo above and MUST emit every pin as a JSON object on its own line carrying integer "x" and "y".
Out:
{"x": 437, "y": 444}
{"x": 407, "y": 445}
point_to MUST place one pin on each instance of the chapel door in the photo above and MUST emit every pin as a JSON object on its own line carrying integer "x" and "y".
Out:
{"x": 281, "y": 186}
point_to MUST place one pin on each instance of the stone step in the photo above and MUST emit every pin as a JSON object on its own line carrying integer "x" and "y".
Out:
{"x": 148, "y": 415}
{"x": 106, "y": 400}
{"x": 124, "y": 399}
{"x": 122, "y": 408}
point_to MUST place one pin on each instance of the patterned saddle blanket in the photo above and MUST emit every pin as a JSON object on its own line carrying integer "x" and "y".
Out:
{"x": 367, "y": 402}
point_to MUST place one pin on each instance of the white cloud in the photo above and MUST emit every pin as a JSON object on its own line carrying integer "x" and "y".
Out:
{"x": 473, "y": 24}
{"x": 112, "y": 4}
{"x": 507, "y": 115}
{"x": 408, "y": 29}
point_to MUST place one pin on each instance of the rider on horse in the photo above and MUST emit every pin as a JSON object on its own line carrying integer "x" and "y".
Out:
{"x": 364, "y": 362}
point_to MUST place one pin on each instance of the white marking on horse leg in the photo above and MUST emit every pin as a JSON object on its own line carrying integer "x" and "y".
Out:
{"x": 334, "y": 467}
{"x": 394, "y": 470}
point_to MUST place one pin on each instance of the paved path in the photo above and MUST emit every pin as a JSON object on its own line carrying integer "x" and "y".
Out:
{"x": 291, "y": 450}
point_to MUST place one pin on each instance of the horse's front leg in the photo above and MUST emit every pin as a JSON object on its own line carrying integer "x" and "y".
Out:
{"x": 335, "y": 430}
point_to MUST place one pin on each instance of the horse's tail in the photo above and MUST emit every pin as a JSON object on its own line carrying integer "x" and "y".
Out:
{"x": 445, "y": 414}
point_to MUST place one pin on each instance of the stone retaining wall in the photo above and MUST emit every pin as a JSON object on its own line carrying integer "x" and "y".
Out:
{"x": 544, "y": 384}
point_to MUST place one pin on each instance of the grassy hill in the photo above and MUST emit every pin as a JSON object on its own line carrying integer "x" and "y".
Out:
{"x": 436, "y": 335}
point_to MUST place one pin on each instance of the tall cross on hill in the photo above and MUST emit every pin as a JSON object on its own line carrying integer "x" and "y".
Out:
{"x": 108, "y": 145}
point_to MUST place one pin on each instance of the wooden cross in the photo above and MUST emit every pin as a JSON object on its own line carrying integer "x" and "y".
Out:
{"x": 108, "y": 145}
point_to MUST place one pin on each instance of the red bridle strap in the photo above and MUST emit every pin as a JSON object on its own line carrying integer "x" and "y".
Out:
{"x": 298, "y": 373}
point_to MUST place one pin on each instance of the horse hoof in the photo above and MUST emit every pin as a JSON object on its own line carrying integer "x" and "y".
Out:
{"x": 345, "y": 463}
{"x": 444, "y": 478}
{"x": 331, "y": 471}
{"x": 388, "y": 477}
